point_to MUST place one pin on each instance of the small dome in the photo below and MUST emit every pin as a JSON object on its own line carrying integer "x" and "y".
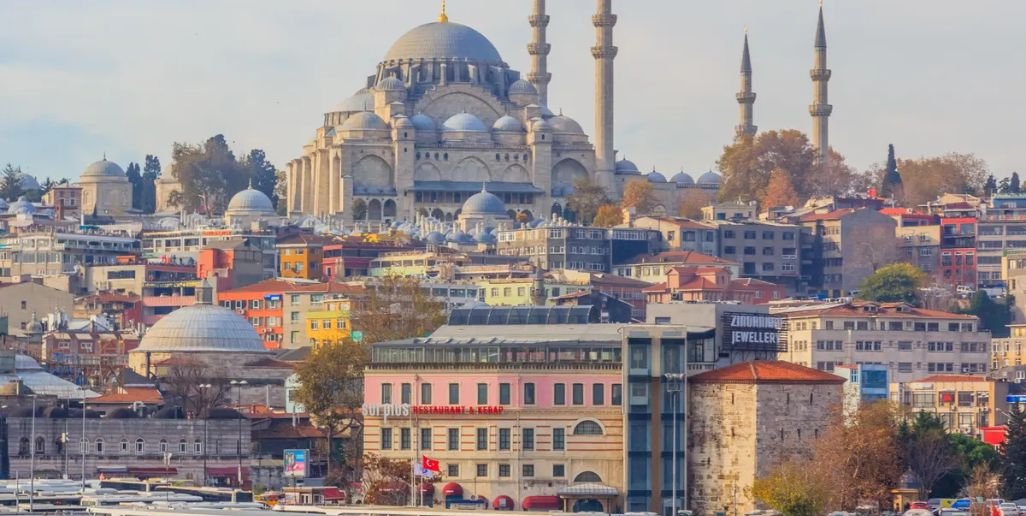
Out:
{"x": 402, "y": 122}
{"x": 250, "y": 200}
{"x": 422, "y": 122}
{"x": 463, "y": 238}
{"x": 540, "y": 125}
{"x": 486, "y": 238}
{"x": 444, "y": 40}
{"x": 565, "y": 124}
{"x": 362, "y": 100}
{"x": 682, "y": 179}
{"x": 655, "y": 177}
{"x": 21, "y": 207}
{"x": 435, "y": 238}
{"x": 508, "y": 123}
{"x": 464, "y": 122}
{"x": 103, "y": 168}
{"x": 363, "y": 121}
{"x": 484, "y": 203}
{"x": 27, "y": 182}
{"x": 709, "y": 178}
{"x": 626, "y": 166}
{"x": 522, "y": 87}
{"x": 390, "y": 84}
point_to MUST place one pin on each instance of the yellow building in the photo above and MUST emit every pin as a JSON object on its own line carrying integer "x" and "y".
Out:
{"x": 301, "y": 256}
{"x": 520, "y": 291}
{"x": 328, "y": 320}
{"x": 964, "y": 403}
{"x": 1009, "y": 351}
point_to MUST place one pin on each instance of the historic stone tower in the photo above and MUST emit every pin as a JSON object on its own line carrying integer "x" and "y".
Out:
{"x": 745, "y": 98}
{"x": 820, "y": 108}
{"x": 604, "y": 53}
{"x": 539, "y": 75}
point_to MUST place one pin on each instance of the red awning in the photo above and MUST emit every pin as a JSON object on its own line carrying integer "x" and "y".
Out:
{"x": 227, "y": 471}
{"x": 333, "y": 493}
{"x": 542, "y": 503}
{"x": 152, "y": 472}
{"x": 502, "y": 503}
{"x": 452, "y": 489}
{"x": 427, "y": 488}
{"x": 994, "y": 435}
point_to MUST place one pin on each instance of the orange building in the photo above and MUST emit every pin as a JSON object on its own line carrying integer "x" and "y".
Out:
{"x": 301, "y": 256}
{"x": 260, "y": 303}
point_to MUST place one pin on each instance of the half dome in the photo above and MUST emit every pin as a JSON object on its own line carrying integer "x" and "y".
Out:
{"x": 444, "y": 40}
{"x": 362, "y": 100}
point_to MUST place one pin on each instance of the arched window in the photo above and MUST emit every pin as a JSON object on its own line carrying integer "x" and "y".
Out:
{"x": 23, "y": 447}
{"x": 140, "y": 445}
{"x": 587, "y": 428}
{"x": 163, "y": 446}
{"x": 182, "y": 446}
{"x": 124, "y": 446}
{"x": 197, "y": 447}
{"x": 588, "y": 476}
{"x": 99, "y": 446}
{"x": 40, "y": 446}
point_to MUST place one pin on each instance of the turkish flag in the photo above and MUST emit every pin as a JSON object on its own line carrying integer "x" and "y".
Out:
{"x": 429, "y": 464}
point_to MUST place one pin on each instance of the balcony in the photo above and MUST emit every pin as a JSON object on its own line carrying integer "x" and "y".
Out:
{"x": 172, "y": 301}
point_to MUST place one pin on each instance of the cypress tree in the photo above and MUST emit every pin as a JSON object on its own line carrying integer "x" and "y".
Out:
{"x": 891, "y": 185}
{"x": 1013, "y": 455}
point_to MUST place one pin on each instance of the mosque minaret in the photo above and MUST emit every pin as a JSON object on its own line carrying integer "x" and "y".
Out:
{"x": 820, "y": 108}
{"x": 539, "y": 49}
{"x": 745, "y": 98}
{"x": 604, "y": 53}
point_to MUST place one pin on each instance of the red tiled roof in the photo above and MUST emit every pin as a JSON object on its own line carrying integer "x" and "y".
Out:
{"x": 949, "y": 378}
{"x": 855, "y": 309}
{"x": 833, "y": 215}
{"x": 658, "y": 287}
{"x": 126, "y": 395}
{"x": 686, "y": 257}
{"x": 328, "y": 288}
{"x": 267, "y": 285}
{"x": 602, "y": 279}
{"x": 766, "y": 371}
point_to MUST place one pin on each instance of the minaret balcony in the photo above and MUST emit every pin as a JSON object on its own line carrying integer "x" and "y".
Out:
{"x": 603, "y": 20}
{"x": 536, "y": 49}
{"x": 745, "y": 97}
{"x": 746, "y": 129}
{"x": 538, "y": 20}
{"x": 539, "y": 78}
{"x": 820, "y": 109}
{"x": 820, "y": 74}
{"x": 603, "y": 52}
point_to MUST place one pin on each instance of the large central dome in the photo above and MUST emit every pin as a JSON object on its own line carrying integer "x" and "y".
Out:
{"x": 444, "y": 40}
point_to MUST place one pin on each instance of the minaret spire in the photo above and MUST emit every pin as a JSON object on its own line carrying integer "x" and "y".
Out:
{"x": 820, "y": 108}
{"x": 539, "y": 49}
{"x": 604, "y": 53}
{"x": 745, "y": 98}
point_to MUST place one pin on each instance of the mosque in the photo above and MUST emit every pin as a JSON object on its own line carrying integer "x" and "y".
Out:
{"x": 444, "y": 117}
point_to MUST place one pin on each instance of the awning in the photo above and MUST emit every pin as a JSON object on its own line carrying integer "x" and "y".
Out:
{"x": 427, "y": 488}
{"x": 994, "y": 435}
{"x": 502, "y": 503}
{"x": 333, "y": 493}
{"x": 452, "y": 489}
{"x": 474, "y": 186}
{"x": 227, "y": 471}
{"x": 541, "y": 503}
{"x": 152, "y": 472}
{"x": 589, "y": 489}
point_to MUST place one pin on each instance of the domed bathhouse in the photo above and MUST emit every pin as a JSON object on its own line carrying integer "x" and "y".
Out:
{"x": 106, "y": 191}
{"x": 248, "y": 206}
{"x": 483, "y": 210}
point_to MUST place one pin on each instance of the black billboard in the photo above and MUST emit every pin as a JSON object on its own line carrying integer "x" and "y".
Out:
{"x": 745, "y": 331}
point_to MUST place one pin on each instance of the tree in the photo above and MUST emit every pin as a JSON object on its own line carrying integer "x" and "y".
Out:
{"x": 857, "y": 456}
{"x": 151, "y": 171}
{"x": 1013, "y": 184}
{"x": 608, "y": 215}
{"x": 891, "y": 185}
{"x": 692, "y": 202}
{"x": 893, "y": 283}
{"x": 990, "y": 187}
{"x": 639, "y": 195}
{"x": 586, "y": 199}
{"x": 794, "y": 488}
{"x": 1013, "y": 455}
{"x": 263, "y": 174}
{"x": 134, "y": 175}
{"x": 780, "y": 191}
{"x": 10, "y": 183}
{"x": 925, "y": 179}
{"x": 281, "y": 187}
{"x": 331, "y": 387}
{"x": 396, "y": 308}
{"x": 926, "y": 451}
{"x": 386, "y": 481}
{"x": 1003, "y": 185}
{"x": 209, "y": 175}
{"x": 993, "y": 316}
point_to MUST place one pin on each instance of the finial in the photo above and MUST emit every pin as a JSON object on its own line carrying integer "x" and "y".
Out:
{"x": 483, "y": 189}
{"x": 104, "y": 155}
{"x": 250, "y": 182}
{"x": 443, "y": 18}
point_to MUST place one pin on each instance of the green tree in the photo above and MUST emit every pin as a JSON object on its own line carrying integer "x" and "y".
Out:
{"x": 46, "y": 186}
{"x": 280, "y": 191}
{"x": 793, "y": 488}
{"x": 993, "y": 316}
{"x": 134, "y": 175}
{"x": 1003, "y": 185}
{"x": 151, "y": 171}
{"x": 396, "y": 308}
{"x": 209, "y": 175}
{"x": 586, "y": 199}
{"x": 263, "y": 174}
{"x": 926, "y": 451}
{"x": 891, "y": 185}
{"x": 1013, "y": 455}
{"x": 892, "y": 283}
{"x": 1013, "y": 184}
{"x": 10, "y": 183}
{"x": 990, "y": 187}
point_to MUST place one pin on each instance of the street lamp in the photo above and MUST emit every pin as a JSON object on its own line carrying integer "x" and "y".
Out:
{"x": 205, "y": 414}
{"x": 240, "y": 384}
{"x": 32, "y": 458}
{"x": 674, "y": 385}
{"x": 83, "y": 390}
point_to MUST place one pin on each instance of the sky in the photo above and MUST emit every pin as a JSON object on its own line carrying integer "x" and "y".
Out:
{"x": 125, "y": 78}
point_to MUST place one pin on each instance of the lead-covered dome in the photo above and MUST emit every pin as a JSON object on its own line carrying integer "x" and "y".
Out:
{"x": 565, "y": 124}
{"x": 390, "y": 84}
{"x": 444, "y": 40}
{"x": 655, "y": 177}
{"x": 508, "y": 123}
{"x": 250, "y": 201}
{"x": 626, "y": 166}
{"x": 362, "y": 100}
{"x": 103, "y": 168}
{"x": 709, "y": 178}
{"x": 364, "y": 120}
{"x": 464, "y": 122}
{"x": 682, "y": 179}
{"x": 422, "y": 122}
{"x": 202, "y": 328}
{"x": 522, "y": 87}
{"x": 27, "y": 182}
{"x": 484, "y": 203}
{"x": 21, "y": 207}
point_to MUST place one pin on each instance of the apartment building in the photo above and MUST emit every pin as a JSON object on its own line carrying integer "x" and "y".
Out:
{"x": 185, "y": 245}
{"x": 1001, "y": 229}
{"x": 301, "y": 256}
{"x": 841, "y": 247}
{"x": 920, "y": 246}
{"x": 681, "y": 234}
{"x": 766, "y": 251}
{"x": 575, "y": 247}
{"x": 45, "y": 253}
{"x": 654, "y": 268}
{"x": 912, "y": 342}
{"x": 958, "y": 251}
{"x": 964, "y": 403}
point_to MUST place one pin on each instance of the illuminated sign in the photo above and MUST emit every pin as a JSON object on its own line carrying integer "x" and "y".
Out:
{"x": 295, "y": 463}
{"x": 406, "y": 410}
{"x": 751, "y": 332}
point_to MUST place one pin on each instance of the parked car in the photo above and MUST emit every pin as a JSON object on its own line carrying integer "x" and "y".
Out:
{"x": 919, "y": 505}
{"x": 1008, "y": 509}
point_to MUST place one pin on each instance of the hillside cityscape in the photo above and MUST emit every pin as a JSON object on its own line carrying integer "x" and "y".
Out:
{"x": 455, "y": 298}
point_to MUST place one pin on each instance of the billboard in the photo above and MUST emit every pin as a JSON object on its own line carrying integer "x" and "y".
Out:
{"x": 295, "y": 463}
{"x": 745, "y": 331}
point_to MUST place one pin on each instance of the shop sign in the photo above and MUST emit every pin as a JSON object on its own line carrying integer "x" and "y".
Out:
{"x": 406, "y": 410}
{"x": 751, "y": 332}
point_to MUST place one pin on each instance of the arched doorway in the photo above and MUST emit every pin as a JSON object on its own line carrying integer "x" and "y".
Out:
{"x": 557, "y": 209}
{"x": 374, "y": 210}
{"x": 437, "y": 214}
{"x": 389, "y": 209}
{"x": 448, "y": 217}
{"x": 588, "y": 505}
{"x": 359, "y": 209}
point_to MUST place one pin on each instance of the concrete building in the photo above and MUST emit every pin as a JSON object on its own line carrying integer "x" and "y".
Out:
{"x": 958, "y": 251}
{"x": 766, "y": 251}
{"x": 653, "y": 268}
{"x": 1009, "y": 351}
{"x": 1001, "y": 229}
{"x": 184, "y": 245}
{"x": 746, "y": 418}
{"x": 920, "y": 245}
{"x": 711, "y": 284}
{"x": 964, "y": 403}
{"x": 48, "y": 253}
{"x": 681, "y": 234}
{"x": 66, "y": 201}
{"x": 731, "y": 210}
{"x": 574, "y": 247}
{"x": 25, "y": 304}
{"x": 910, "y": 341}
{"x": 865, "y": 383}
{"x": 841, "y": 247}
{"x": 230, "y": 264}
{"x": 301, "y": 256}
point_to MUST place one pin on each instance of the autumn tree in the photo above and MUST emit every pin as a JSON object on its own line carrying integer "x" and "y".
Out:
{"x": 926, "y": 451}
{"x": 925, "y": 179}
{"x": 692, "y": 202}
{"x": 638, "y": 195}
{"x": 210, "y": 174}
{"x": 780, "y": 191}
{"x": 396, "y": 308}
{"x": 185, "y": 385}
{"x": 608, "y": 215}
{"x": 281, "y": 190}
{"x": 386, "y": 481}
{"x": 859, "y": 456}
{"x": 586, "y": 199}
{"x": 895, "y": 282}
{"x": 794, "y": 488}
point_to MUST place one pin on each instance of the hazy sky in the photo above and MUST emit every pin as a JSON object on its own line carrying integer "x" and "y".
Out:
{"x": 129, "y": 77}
